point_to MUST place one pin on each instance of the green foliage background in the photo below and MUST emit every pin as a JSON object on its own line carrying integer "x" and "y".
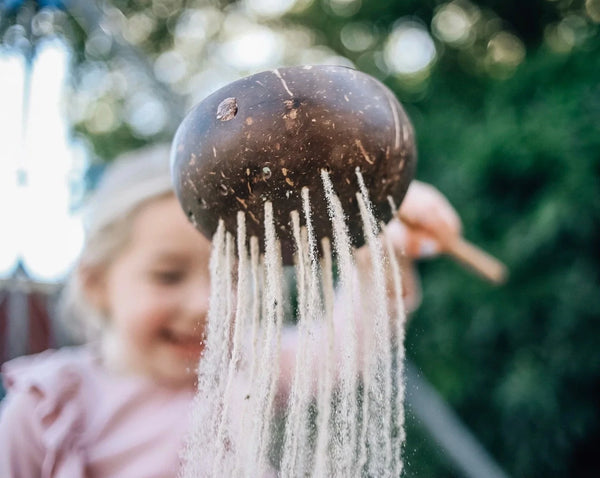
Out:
{"x": 520, "y": 160}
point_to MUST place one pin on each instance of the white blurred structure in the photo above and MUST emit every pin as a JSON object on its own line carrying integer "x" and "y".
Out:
{"x": 38, "y": 168}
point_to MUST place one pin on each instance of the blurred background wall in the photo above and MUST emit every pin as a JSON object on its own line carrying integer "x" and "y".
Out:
{"x": 505, "y": 99}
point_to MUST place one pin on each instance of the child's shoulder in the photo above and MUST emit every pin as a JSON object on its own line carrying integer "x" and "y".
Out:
{"x": 51, "y": 384}
{"x": 53, "y": 372}
{"x": 44, "y": 406}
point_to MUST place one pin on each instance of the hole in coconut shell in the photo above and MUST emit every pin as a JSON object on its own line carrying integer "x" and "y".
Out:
{"x": 227, "y": 109}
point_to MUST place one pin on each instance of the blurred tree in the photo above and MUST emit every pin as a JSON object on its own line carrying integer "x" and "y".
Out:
{"x": 519, "y": 362}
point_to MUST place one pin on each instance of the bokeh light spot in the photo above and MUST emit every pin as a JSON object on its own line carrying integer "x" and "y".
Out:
{"x": 345, "y": 8}
{"x": 139, "y": 28}
{"x": 269, "y": 8}
{"x": 409, "y": 48}
{"x": 559, "y": 37}
{"x": 452, "y": 24}
{"x": 170, "y": 67}
{"x": 506, "y": 49}
{"x": 101, "y": 118}
{"x": 145, "y": 114}
{"x": 357, "y": 36}
{"x": 258, "y": 47}
{"x": 592, "y": 9}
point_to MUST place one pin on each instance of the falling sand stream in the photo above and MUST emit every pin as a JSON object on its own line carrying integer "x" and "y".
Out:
{"x": 293, "y": 170}
{"x": 343, "y": 410}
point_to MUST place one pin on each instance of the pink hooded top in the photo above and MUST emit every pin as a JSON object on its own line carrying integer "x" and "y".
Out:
{"x": 67, "y": 417}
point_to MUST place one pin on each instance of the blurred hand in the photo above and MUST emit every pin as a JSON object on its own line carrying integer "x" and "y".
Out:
{"x": 426, "y": 221}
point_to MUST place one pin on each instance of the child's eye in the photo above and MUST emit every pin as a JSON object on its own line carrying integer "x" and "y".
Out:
{"x": 167, "y": 277}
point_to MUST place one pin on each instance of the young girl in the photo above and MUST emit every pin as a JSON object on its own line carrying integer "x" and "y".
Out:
{"x": 118, "y": 405}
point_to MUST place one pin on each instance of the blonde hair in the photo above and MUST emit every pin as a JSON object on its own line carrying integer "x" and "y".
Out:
{"x": 130, "y": 182}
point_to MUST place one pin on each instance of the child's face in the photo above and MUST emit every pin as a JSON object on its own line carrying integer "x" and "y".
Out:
{"x": 156, "y": 295}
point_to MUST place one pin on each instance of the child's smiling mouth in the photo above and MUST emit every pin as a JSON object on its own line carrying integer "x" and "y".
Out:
{"x": 187, "y": 343}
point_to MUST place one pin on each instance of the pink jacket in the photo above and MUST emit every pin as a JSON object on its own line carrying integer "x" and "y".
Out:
{"x": 67, "y": 417}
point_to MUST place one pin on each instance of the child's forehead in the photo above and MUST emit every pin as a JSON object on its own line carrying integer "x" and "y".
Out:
{"x": 179, "y": 255}
{"x": 161, "y": 213}
{"x": 162, "y": 229}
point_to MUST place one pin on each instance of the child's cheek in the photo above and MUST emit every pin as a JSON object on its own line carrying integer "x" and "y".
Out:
{"x": 146, "y": 324}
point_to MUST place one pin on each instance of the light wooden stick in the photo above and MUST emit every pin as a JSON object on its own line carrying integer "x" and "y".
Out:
{"x": 470, "y": 255}
{"x": 477, "y": 259}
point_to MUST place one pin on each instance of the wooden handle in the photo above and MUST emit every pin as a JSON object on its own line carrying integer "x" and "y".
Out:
{"x": 477, "y": 259}
{"x": 470, "y": 255}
